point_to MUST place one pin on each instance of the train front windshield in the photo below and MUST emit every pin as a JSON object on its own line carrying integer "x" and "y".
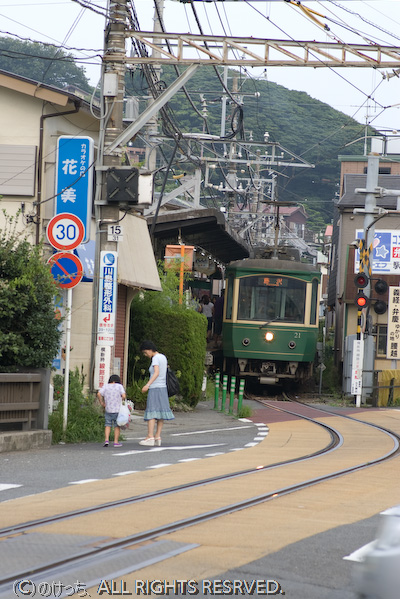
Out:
{"x": 271, "y": 298}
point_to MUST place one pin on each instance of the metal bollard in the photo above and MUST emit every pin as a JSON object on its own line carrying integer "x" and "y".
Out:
{"x": 216, "y": 397}
{"x": 224, "y": 390}
{"x": 240, "y": 396}
{"x": 232, "y": 394}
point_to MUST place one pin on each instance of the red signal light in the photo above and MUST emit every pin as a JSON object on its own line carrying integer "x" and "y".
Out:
{"x": 361, "y": 280}
{"x": 362, "y": 301}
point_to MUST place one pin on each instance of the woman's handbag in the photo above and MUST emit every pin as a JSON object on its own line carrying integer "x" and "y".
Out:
{"x": 124, "y": 415}
{"x": 172, "y": 383}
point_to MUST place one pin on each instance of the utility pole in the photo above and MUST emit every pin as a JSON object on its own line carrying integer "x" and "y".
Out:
{"x": 151, "y": 128}
{"x": 113, "y": 89}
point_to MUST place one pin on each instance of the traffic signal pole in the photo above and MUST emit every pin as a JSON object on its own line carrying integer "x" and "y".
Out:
{"x": 366, "y": 255}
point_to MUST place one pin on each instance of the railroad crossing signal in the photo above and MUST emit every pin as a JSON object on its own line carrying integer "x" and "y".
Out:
{"x": 361, "y": 281}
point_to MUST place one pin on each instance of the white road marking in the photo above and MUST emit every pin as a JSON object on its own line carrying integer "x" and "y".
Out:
{"x": 359, "y": 554}
{"x": 189, "y": 460}
{"x": 5, "y": 487}
{"x": 178, "y": 448}
{"x": 211, "y": 430}
{"x": 83, "y": 482}
{"x": 159, "y": 466}
{"x": 125, "y": 473}
{"x": 211, "y": 455}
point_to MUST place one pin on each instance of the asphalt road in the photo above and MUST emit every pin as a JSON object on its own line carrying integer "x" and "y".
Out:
{"x": 191, "y": 436}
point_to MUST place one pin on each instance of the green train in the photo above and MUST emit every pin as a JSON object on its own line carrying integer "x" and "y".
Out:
{"x": 270, "y": 320}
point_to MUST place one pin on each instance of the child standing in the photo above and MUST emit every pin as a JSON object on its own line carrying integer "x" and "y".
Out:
{"x": 110, "y": 396}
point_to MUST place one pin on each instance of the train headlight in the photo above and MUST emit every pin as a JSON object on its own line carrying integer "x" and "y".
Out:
{"x": 246, "y": 341}
{"x": 292, "y": 344}
{"x": 269, "y": 336}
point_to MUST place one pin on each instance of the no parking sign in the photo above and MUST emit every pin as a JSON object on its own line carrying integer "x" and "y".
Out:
{"x": 66, "y": 269}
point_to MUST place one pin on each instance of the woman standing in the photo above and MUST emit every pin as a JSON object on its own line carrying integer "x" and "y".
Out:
{"x": 157, "y": 406}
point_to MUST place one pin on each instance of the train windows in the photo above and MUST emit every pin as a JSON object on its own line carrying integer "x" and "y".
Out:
{"x": 314, "y": 302}
{"x": 271, "y": 298}
{"x": 229, "y": 298}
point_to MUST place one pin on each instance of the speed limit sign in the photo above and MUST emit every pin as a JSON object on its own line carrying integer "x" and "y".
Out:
{"x": 65, "y": 231}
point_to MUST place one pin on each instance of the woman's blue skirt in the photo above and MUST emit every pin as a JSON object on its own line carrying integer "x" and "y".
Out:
{"x": 157, "y": 405}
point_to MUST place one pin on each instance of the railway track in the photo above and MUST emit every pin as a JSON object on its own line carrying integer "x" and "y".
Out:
{"x": 251, "y": 486}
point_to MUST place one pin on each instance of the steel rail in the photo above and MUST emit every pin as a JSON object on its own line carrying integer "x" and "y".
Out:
{"x": 93, "y": 553}
{"x": 335, "y": 442}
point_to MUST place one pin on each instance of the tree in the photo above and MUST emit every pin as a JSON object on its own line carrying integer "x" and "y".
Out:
{"x": 29, "y": 331}
{"x": 41, "y": 62}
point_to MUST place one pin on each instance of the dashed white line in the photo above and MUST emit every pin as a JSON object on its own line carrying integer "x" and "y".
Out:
{"x": 5, "y": 487}
{"x": 125, "y": 473}
{"x": 83, "y": 482}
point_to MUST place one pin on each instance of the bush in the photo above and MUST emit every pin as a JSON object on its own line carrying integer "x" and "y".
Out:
{"x": 178, "y": 331}
{"x": 85, "y": 421}
{"x": 29, "y": 331}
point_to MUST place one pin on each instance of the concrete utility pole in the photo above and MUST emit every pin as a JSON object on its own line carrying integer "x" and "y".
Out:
{"x": 151, "y": 127}
{"x": 113, "y": 88}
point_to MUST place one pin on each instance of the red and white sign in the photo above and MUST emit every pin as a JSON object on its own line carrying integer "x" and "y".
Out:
{"x": 65, "y": 231}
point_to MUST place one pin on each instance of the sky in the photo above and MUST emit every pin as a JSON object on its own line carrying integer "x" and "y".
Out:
{"x": 361, "y": 93}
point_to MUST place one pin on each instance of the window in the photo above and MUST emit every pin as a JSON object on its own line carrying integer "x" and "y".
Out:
{"x": 381, "y": 339}
{"x": 314, "y": 302}
{"x": 229, "y": 298}
{"x": 271, "y": 298}
{"x": 17, "y": 170}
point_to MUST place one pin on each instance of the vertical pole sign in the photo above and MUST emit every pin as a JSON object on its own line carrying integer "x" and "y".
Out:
{"x": 74, "y": 179}
{"x": 357, "y": 370}
{"x": 107, "y": 298}
{"x": 393, "y": 325}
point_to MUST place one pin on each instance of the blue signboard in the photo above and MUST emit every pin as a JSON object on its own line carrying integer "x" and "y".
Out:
{"x": 107, "y": 298}
{"x": 385, "y": 254}
{"x": 86, "y": 254}
{"x": 74, "y": 178}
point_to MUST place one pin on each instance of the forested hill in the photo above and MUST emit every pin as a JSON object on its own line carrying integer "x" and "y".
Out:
{"x": 303, "y": 125}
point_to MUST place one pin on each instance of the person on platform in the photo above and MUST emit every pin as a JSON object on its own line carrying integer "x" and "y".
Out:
{"x": 207, "y": 308}
{"x": 110, "y": 396}
{"x": 218, "y": 314}
{"x": 157, "y": 405}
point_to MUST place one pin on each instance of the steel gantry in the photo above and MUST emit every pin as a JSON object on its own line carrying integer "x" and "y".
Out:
{"x": 188, "y": 48}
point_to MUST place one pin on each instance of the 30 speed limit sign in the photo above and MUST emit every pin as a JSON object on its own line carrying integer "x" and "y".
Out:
{"x": 65, "y": 231}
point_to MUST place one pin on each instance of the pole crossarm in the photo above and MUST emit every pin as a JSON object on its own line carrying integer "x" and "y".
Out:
{"x": 188, "y": 48}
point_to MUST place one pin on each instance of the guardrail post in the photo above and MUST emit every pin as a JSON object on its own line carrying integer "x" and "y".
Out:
{"x": 216, "y": 396}
{"x": 240, "y": 396}
{"x": 232, "y": 394}
{"x": 224, "y": 390}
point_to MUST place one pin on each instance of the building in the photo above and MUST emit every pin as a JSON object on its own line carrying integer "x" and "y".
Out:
{"x": 33, "y": 116}
{"x": 348, "y": 226}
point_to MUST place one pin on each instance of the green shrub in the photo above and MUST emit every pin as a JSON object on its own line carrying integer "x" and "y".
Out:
{"x": 29, "y": 331}
{"x": 85, "y": 421}
{"x": 178, "y": 331}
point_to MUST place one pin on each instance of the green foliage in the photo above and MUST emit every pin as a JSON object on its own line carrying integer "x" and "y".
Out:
{"x": 305, "y": 126}
{"x": 178, "y": 331}
{"x": 245, "y": 412}
{"x": 41, "y": 62}
{"x": 85, "y": 421}
{"x": 29, "y": 334}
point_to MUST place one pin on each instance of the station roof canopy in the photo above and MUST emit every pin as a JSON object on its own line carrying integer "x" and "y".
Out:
{"x": 206, "y": 228}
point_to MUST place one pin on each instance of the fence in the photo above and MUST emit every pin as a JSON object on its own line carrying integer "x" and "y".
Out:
{"x": 24, "y": 400}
